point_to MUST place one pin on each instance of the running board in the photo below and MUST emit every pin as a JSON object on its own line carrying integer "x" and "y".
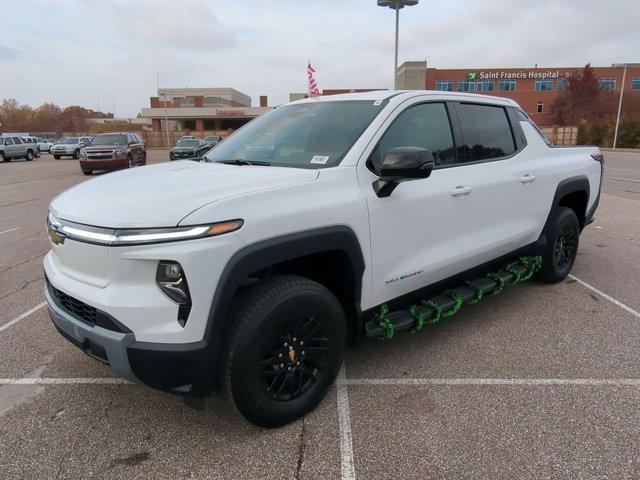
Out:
{"x": 428, "y": 312}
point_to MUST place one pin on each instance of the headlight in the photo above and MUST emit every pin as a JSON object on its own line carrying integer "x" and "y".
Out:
{"x": 172, "y": 281}
{"x": 83, "y": 153}
{"x": 122, "y": 237}
{"x": 120, "y": 151}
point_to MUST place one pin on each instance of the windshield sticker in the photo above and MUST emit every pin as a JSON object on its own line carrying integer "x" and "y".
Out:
{"x": 319, "y": 159}
{"x": 377, "y": 102}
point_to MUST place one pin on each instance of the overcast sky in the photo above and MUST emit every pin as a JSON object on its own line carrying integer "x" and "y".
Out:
{"x": 85, "y": 51}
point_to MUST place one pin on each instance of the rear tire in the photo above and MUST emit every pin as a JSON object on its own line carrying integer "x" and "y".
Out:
{"x": 285, "y": 349}
{"x": 2, "y": 157}
{"x": 561, "y": 248}
{"x": 29, "y": 156}
{"x": 129, "y": 161}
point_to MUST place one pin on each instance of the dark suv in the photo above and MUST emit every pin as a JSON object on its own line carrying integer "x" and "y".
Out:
{"x": 113, "y": 151}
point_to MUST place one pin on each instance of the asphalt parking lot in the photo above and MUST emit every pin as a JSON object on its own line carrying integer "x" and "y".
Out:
{"x": 539, "y": 382}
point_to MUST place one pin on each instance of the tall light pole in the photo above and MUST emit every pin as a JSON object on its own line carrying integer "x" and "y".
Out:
{"x": 624, "y": 78}
{"x": 396, "y": 5}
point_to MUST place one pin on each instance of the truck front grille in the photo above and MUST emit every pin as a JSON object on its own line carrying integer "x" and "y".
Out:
{"x": 100, "y": 155}
{"x": 83, "y": 312}
{"x": 73, "y": 306}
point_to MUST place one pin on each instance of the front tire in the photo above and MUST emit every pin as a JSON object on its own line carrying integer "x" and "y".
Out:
{"x": 76, "y": 154}
{"x": 86, "y": 171}
{"x": 56, "y": 157}
{"x": 285, "y": 349}
{"x": 561, "y": 248}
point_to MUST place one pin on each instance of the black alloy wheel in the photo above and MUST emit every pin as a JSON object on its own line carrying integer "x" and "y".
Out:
{"x": 294, "y": 358}
{"x": 561, "y": 246}
{"x": 284, "y": 350}
{"x": 565, "y": 247}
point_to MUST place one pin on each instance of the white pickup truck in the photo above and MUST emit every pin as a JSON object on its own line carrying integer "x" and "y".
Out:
{"x": 250, "y": 270}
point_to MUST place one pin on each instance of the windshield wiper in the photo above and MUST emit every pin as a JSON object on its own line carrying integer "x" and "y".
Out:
{"x": 238, "y": 161}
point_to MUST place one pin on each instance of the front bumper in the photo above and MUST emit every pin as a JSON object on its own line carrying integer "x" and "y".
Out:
{"x": 107, "y": 346}
{"x": 132, "y": 325}
{"x": 62, "y": 152}
{"x": 181, "y": 369}
{"x": 106, "y": 164}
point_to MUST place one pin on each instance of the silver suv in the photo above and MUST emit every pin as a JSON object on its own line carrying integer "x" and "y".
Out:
{"x": 15, "y": 147}
{"x": 69, "y": 147}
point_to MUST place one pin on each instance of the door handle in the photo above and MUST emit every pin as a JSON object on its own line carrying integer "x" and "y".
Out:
{"x": 461, "y": 190}
{"x": 526, "y": 178}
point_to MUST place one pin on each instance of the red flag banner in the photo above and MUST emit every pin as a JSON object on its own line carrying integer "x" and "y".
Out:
{"x": 313, "y": 86}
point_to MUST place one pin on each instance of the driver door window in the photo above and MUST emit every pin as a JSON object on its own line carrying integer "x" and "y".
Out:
{"x": 425, "y": 125}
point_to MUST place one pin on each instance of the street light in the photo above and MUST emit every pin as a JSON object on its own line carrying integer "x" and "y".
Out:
{"x": 396, "y": 5}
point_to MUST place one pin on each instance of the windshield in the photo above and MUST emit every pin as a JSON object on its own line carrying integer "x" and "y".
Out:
{"x": 69, "y": 140}
{"x": 187, "y": 143}
{"x": 109, "y": 140}
{"x": 306, "y": 135}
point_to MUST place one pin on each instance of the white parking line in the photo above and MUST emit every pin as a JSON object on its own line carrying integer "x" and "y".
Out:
{"x": 344, "y": 422}
{"x": 589, "y": 382}
{"x": 620, "y": 179}
{"x": 20, "y": 317}
{"x": 64, "y": 381}
{"x": 604, "y": 295}
{"x": 11, "y": 230}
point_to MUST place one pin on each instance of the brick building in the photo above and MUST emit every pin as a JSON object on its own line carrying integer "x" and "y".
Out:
{"x": 214, "y": 110}
{"x": 534, "y": 89}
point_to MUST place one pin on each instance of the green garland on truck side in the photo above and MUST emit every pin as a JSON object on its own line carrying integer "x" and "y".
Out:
{"x": 531, "y": 264}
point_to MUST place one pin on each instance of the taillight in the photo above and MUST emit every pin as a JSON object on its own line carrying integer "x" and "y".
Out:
{"x": 598, "y": 157}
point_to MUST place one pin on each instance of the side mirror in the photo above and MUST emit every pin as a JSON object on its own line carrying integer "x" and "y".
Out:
{"x": 401, "y": 164}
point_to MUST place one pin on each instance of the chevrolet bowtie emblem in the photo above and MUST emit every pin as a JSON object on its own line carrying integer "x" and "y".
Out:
{"x": 55, "y": 237}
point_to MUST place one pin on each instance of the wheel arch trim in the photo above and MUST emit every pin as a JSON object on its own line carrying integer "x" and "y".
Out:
{"x": 579, "y": 183}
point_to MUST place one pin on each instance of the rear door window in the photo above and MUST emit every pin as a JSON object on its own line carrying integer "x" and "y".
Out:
{"x": 486, "y": 132}
{"x": 17, "y": 140}
{"x": 8, "y": 141}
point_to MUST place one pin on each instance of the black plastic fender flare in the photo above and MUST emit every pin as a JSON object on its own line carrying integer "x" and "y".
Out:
{"x": 266, "y": 253}
{"x": 579, "y": 183}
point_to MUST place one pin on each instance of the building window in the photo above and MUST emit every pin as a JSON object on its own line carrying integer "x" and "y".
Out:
{"x": 562, "y": 84}
{"x": 543, "y": 85}
{"x": 484, "y": 86}
{"x": 507, "y": 85}
{"x": 607, "y": 83}
{"x": 540, "y": 107}
{"x": 466, "y": 86}
{"x": 444, "y": 85}
{"x": 635, "y": 84}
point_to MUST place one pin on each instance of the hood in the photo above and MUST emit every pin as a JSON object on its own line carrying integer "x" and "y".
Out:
{"x": 161, "y": 195}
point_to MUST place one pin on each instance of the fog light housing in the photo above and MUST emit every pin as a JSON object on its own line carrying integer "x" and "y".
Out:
{"x": 171, "y": 279}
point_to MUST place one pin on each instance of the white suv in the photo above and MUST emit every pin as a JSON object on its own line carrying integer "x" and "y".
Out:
{"x": 249, "y": 271}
